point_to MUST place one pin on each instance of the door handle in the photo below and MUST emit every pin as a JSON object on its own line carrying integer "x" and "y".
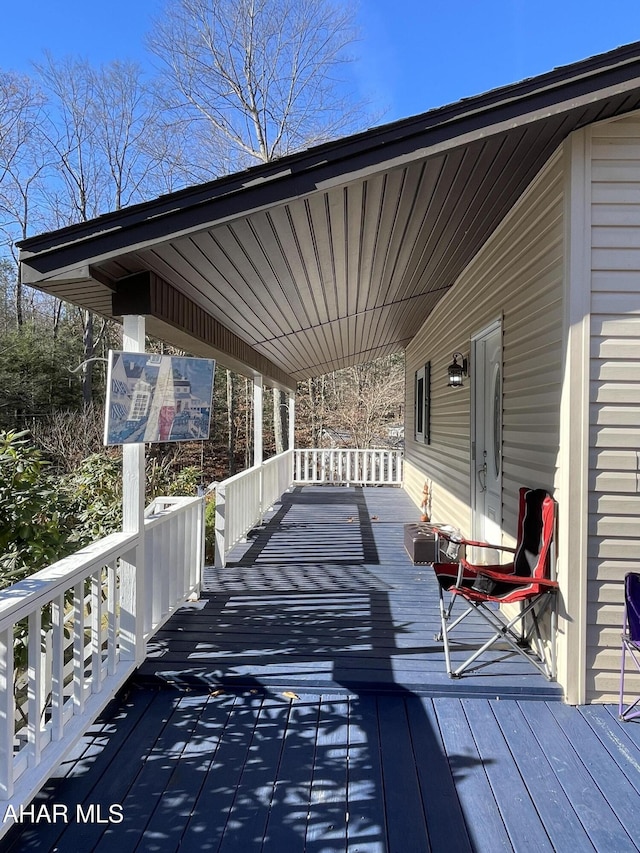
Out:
{"x": 482, "y": 475}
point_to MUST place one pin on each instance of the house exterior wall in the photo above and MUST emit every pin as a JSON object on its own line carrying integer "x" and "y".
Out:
{"x": 517, "y": 276}
{"x": 612, "y": 154}
{"x": 562, "y": 272}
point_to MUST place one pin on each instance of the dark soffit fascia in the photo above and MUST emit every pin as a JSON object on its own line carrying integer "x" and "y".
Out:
{"x": 298, "y": 174}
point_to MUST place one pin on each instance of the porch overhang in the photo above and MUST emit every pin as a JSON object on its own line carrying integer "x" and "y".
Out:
{"x": 336, "y": 255}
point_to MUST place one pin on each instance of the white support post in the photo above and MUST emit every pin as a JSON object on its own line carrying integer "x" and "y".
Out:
{"x": 573, "y": 521}
{"x": 133, "y": 478}
{"x": 258, "y": 410}
{"x": 292, "y": 431}
{"x": 258, "y": 416}
{"x": 292, "y": 420}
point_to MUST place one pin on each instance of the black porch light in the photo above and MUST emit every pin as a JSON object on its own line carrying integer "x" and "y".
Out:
{"x": 457, "y": 370}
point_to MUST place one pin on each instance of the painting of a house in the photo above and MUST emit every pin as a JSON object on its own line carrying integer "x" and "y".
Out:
{"x": 505, "y": 229}
{"x": 156, "y": 398}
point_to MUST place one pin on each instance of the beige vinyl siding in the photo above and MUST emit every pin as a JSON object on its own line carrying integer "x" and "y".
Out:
{"x": 517, "y": 277}
{"x": 614, "y": 462}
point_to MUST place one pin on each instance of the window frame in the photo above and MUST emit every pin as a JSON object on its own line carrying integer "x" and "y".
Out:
{"x": 422, "y": 404}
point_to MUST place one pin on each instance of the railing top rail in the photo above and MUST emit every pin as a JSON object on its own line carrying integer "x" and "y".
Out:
{"x": 38, "y": 589}
{"x": 273, "y": 460}
{"x": 159, "y": 508}
{"x": 349, "y": 449}
{"x": 239, "y": 476}
{"x": 254, "y": 469}
{"x": 170, "y": 501}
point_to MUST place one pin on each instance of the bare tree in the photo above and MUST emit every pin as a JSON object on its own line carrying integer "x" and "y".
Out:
{"x": 128, "y": 121}
{"x": 100, "y": 121}
{"x": 23, "y": 162}
{"x": 359, "y": 403}
{"x": 261, "y": 75}
{"x": 310, "y": 411}
{"x": 69, "y": 436}
{"x": 257, "y": 79}
{"x": 105, "y": 129}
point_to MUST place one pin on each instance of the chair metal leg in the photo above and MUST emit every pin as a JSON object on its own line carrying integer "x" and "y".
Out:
{"x": 504, "y": 631}
{"x": 446, "y": 627}
{"x": 444, "y": 615}
{"x": 627, "y": 713}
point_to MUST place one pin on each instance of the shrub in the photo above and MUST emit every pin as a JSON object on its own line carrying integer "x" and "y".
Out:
{"x": 34, "y": 513}
{"x": 95, "y": 493}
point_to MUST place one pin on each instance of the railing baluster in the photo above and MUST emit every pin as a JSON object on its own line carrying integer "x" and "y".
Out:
{"x": 112, "y": 617}
{"x": 7, "y": 713}
{"x": 96, "y": 631}
{"x": 147, "y": 606}
{"x": 186, "y": 522}
{"x": 46, "y": 670}
{"x": 78, "y": 648}
{"x": 196, "y": 563}
{"x": 221, "y": 527}
{"x": 175, "y": 553}
{"x": 57, "y": 667}
{"x": 34, "y": 676}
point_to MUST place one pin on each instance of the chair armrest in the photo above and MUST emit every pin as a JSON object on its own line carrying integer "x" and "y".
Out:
{"x": 499, "y": 568}
{"x": 488, "y": 545}
{"x": 517, "y": 580}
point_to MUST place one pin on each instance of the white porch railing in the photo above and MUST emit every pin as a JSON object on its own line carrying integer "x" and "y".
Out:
{"x": 347, "y": 466}
{"x": 174, "y": 557}
{"x": 71, "y": 634}
{"x": 242, "y": 500}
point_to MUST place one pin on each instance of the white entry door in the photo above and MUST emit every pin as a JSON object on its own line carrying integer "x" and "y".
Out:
{"x": 487, "y": 440}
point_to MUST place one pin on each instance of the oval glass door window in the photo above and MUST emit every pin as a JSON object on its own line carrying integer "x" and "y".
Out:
{"x": 497, "y": 421}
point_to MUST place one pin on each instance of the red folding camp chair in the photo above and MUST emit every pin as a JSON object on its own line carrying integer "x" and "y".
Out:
{"x": 526, "y": 581}
{"x": 630, "y": 639}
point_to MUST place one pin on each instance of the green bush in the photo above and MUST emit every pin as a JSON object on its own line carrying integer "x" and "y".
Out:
{"x": 185, "y": 482}
{"x": 95, "y": 493}
{"x": 34, "y": 513}
{"x": 43, "y": 518}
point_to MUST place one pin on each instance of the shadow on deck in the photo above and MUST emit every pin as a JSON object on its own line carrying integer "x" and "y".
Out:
{"x": 303, "y": 705}
{"x": 324, "y": 597}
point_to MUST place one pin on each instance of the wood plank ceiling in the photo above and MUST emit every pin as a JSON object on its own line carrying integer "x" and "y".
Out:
{"x": 339, "y": 271}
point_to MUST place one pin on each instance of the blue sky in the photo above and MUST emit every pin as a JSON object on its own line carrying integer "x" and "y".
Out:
{"x": 412, "y": 55}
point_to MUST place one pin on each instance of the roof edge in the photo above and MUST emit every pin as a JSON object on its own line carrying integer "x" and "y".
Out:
{"x": 340, "y": 151}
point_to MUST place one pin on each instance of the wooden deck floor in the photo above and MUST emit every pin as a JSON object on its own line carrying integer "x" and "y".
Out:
{"x": 253, "y": 771}
{"x": 325, "y": 597}
{"x": 232, "y": 747}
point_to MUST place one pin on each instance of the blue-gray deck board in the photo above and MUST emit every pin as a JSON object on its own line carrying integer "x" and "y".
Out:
{"x": 255, "y": 771}
{"x": 246, "y": 747}
{"x": 325, "y": 597}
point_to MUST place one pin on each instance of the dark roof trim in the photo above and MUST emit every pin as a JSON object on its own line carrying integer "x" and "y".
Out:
{"x": 560, "y": 90}
{"x": 172, "y": 315}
